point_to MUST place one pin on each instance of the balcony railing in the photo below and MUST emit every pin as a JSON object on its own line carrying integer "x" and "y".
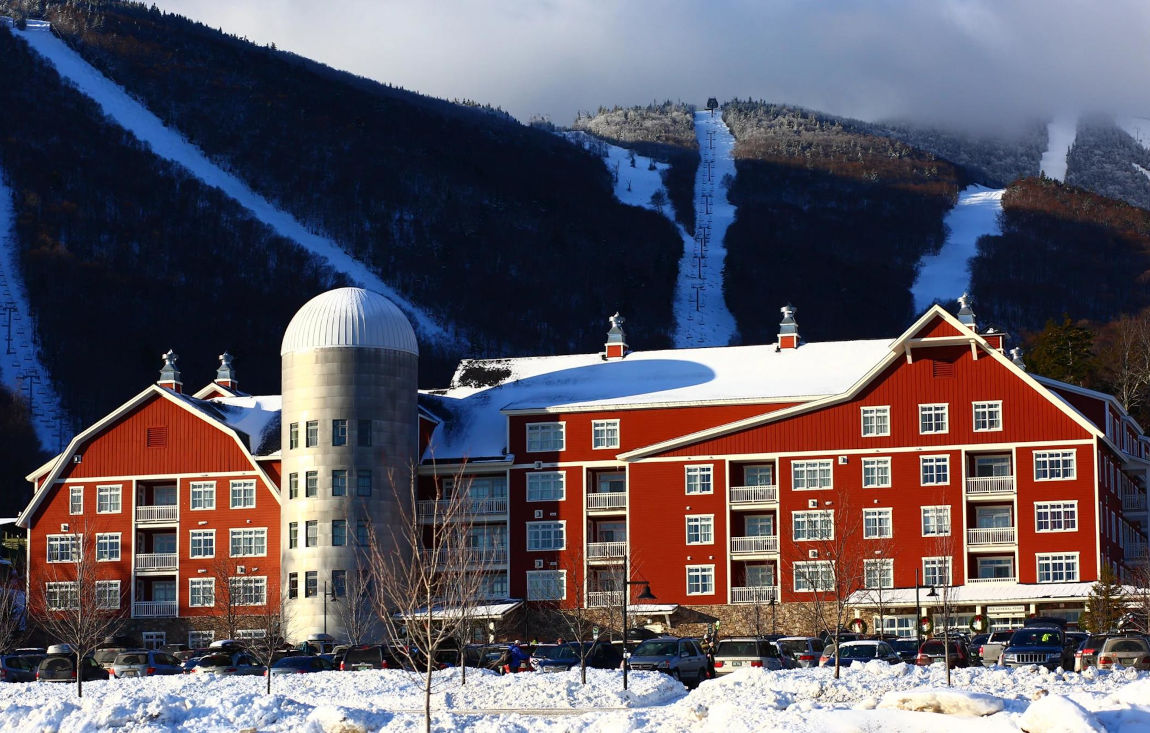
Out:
{"x": 606, "y": 550}
{"x": 1134, "y": 501}
{"x": 604, "y": 598}
{"x": 156, "y": 561}
{"x": 751, "y": 545}
{"x": 157, "y": 513}
{"x": 474, "y": 507}
{"x": 1135, "y": 550}
{"x": 472, "y": 556}
{"x": 990, "y": 536}
{"x": 754, "y": 494}
{"x": 754, "y": 594}
{"x": 1011, "y": 579}
{"x": 980, "y": 485}
{"x": 154, "y": 609}
{"x": 607, "y": 500}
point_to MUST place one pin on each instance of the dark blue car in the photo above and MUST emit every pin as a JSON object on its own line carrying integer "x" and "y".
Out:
{"x": 562, "y": 657}
{"x": 1040, "y": 645}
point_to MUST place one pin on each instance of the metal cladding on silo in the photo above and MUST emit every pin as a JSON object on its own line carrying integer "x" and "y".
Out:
{"x": 347, "y": 355}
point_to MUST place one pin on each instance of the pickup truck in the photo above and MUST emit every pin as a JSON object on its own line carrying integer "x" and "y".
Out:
{"x": 991, "y": 649}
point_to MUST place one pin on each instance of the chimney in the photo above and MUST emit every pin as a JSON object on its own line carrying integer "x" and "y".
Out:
{"x": 1016, "y": 357}
{"x": 965, "y": 314}
{"x": 616, "y": 339}
{"x": 788, "y": 329}
{"x": 169, "y": 374}
{"x": 226, "y": 374}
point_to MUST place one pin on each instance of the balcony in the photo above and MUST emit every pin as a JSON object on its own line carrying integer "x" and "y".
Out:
{"x": 154, "y": 609}
{"x": 604, "y": 598}
{"x": 754, "y": 495}
{"x": 472, "y": 557}
{"x": 473, "y": 507}
{"x": 1011, "y": 579}
{"x": 606, "y": 551}
{"x": 157, "y": 513}
{"x": 1134, "y": 501}
{"x": 990, "y": 536}
{"x": 989, "y": 485}
{"x": 754, "y": 594}
{"x": 157, "y": 561}
{"x": 754, "y": 545}
{"x": 1135, "y": 551}
{"x": 607, "y": 501}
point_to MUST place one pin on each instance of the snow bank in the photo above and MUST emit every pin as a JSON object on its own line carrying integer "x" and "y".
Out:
{"x": 947, "y": 702}
{"x": 1058, "y": 714}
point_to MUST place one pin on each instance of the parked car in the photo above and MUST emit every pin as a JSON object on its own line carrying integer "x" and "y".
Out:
{"x": 562, "y": 657}
{"x": 62, "y": 668}
{"x": 860, "y": 652}
{"x": 145, "y": 664}
{"x": 1126, "y": 650}
{"x": 370, "y": 656}
{"x": 683, "y": 659}
{"x": 907, "y": 649}
{"x": 1043, "y": 645}
{"x": 237, "y": 663}
{"x": 187, "y": 654}
{"x": 974, "y": 646}
{"x": 105, "y": 656}
{"x": 991, "y": 649}
{"x": 805, "y": 650}
{"x": 19, "y": 667}
{"x": 302, "y": 665}
{"x": 933, "y": 651}
{"x": 746, "y": 651}
{"x": 1087, "y": 653}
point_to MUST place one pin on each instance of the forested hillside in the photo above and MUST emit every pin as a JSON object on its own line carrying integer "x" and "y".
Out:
{"x": 1107, "y": 161}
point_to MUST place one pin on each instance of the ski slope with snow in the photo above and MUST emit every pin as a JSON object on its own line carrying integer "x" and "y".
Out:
{"x": 171, "y": 145}
{"x": 701, "y": 314}
{"x": 637, "y": 178}
{"x": 946, "y": 275}
{"x": 1060, "y": 135}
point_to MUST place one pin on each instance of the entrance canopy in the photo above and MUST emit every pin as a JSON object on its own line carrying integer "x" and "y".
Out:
{"x": 485, "y": 611}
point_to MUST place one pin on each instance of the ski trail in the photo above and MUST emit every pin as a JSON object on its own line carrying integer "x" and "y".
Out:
{"x": 171, "y": 145}
{"x": 946, "y": 275}
{"x": 1060, "y": 134}
{"x": 701, "y": 314}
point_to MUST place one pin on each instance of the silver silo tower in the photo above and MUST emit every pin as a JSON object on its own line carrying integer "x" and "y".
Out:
{"x": 349, "y": 359}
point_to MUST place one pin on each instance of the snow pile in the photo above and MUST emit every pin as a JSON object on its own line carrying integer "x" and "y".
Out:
{"x": 1058, "y": 714}
{"x": 946, "y": 275}
{"x": 945, "y": 701}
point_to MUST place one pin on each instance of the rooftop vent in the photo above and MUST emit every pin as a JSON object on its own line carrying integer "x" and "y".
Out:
{"x": 169, "y": 374}
{"x": 965, "y": 314}
{"x": 616, "y": 347}
{"x": 1016, "y": 357}
{"x": 226, "y": 373}
{"x": 788, "y": 328}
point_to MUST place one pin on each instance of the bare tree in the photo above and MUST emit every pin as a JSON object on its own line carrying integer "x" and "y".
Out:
{"x": 72, "y": 602}
{"x": 13, "y": 606}
{"x": 268, "y": 626}
{"x": 1124, "y": 351}
{"x": 877, "y": 559}
{"x": 582, "y": 608}
{"x": 944, "y": 546}
{"x": 356, "y": 610}
{"x": 227, "y": 601}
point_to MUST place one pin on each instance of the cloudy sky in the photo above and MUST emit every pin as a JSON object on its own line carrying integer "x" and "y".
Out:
{"x": 975, "y": 61}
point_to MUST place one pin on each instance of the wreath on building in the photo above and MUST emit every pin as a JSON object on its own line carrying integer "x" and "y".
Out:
{"x": 978, "y": 624}
{"x": 925, "y": 625}
{"x": 858, "y": 626}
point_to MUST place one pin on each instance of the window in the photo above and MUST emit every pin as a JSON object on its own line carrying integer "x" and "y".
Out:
{"x": 338, "y": 583}
{"x": 546, "y": 585}
{"x": 1056, "y": 516}
{"x": 76, "y": 500}
{"x": 311, "y": 433}
{"x": 817, "y": 575}
{"x": 108, "y": 547}
{"x": 996, "y": 567}
{"x": 1058, "y": 568}
{"x": 877, "y": 523}
{"x": 202, "y": 592}
{"x": 759, "y": 525}
{"x": 200, "y": 639}
{"x": 699, "y": 480}
{"x": 361, "y": 530}
{"x": 339, "y": 482}
{"x": 311, "y": 533}
{"x": 293, "y": 485}
{"x": 311, "y": 584}
{"x": 293, "y": 436}
{"x": 203, "y": 495}
{"x": 311, "y": 484}
{"x": 249, "y": 591}
{"x": 362, "y": 483}
{"x": 1054, "y": 465}
{"x": 546, "y": 535}
{"x": 154, "y": 639}
{"x": 700, "y": 580}
{"x": 875, "y": 421}
{"x": 878, "y": 573}
{"x": 339, "y": 432}
{"x": 935, "y": 571}
{"x": 814, "y": 525}
{"x": 935, "y": 521}
{"x": 243, "y": 494}
{"x": 548, "y": 486}
{"x": 293, "y": 535}
{"x": 62, "y": 596}
{"x": 759, "y": 475}
{"x": 202, "y": 543}
{"x": 63, "y": 548}
{"x": 108, "y": 499}
{"x": 108, "y": 593}
{"x": 544, "y": 436}
{"x": 493, "y": 585}
{"x": 604, "y": 434}
{"x": 249, "y": 542}
{"x": 807, "y": 475}
{"x": 987, "y": 416}
{"x": 875, "y": 473}
{"x": 293, "y": 585}
{"x": 363, "y": 433}
{"x": 701, "y": 530}
{"x": 935, "y": 470}
{"x": 933, "y": 419}
{"x": 338, "y": 532}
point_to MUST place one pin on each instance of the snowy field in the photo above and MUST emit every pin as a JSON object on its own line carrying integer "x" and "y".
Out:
{"x": 945, "y": 276}
{"x": 873, "y": 697}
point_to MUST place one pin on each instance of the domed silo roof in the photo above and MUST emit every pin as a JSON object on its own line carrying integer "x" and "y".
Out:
{"x": 349, "y": 318}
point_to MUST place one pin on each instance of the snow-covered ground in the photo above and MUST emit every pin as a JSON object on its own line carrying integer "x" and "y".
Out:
{"x": 637, "y": 178}
{"x": 945, "y": 276}
{"x": 170, "y": 144}
{"x": 1060, "y": 133}
{"x": 701, "y": 314}
{"x": 872, "y": 697}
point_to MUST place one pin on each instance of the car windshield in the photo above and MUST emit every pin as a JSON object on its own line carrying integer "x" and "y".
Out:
{"x": 739, "y": 649}
{"x": 1036, "y": 637}
{"x": 859, "y": 651}
{"x": 657, "y": 649}
{"x": 554, "y": 652}
{"x": 793, "y": 646}
{"x": 216, "y": 660}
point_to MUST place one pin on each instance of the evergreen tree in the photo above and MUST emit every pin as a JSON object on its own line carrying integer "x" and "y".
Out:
{"x": 1105, "y": 605}
{"x": 1064, "y": 351}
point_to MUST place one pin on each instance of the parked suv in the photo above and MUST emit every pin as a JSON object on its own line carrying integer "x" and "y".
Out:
{"x": 1087, "y": 654}
{"x": 62, "y": 668}
{"x": 1043, "y": 645}
{"x": 370, "y": 656}
{"x": 746, "y": 651}
{"x": 145, "y": 664}
{"x": 805, "y": 650}
{"x": 933, "y": 652}
{"x": 19, "y": 667}
{"x": 683, "y": 659}
{"x": 1126, "y": 650}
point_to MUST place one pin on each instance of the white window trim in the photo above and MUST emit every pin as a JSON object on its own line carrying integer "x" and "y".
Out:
{"x": 974, "y": 415}
{"x": 822, "y": 513}
{"x": 1048, "y": 556}
{"x": 881, "y": 460}
{"x": 562, "y": 475}
{"x": 949, "y": 566}
{"x": 815, "y": 464}
{"x": 562, "y": 427}
{"x": 239, "y": 483}
{"x": 119, "y": 494}
{"x": 1047, "y": 504}
{"x": 605, "y": 424}
{"x": 248, "y": 529}
{"x": 73, "y": 490}
{"x": 922, "y": 464}
{"x": 254, "y": 580}
{"x": 949, "y": 522}
{"x": 107, "y": 585}
{"x": 883, "y": 563}
{"x": 704, "y": 569}
{"x": 562, "y": 584}
{"x": 1073, "y": 464}
{"x": 700, "y": 468}
{"x": 799, "y": 570}
{"x": 889, "y": 513}
{"x": 75, "y": 541}
{"x": 119, "y": 547}
{"x": 561, "y": 522}
{"x": 933, "y": 406}
{"x": 192, "y": 492}
{"x": 210, "y": 583}
{"x": 52, "y": 590}
{"x": 877, "y": 410}
{"x": 702, "y": 518}
{"x": 192, "y": 544}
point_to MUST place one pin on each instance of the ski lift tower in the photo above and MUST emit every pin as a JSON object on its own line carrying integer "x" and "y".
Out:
{"x": 712, "y": 104}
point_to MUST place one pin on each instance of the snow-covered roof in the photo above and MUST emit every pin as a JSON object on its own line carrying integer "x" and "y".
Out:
{"x": 493, "y": 610}
{"x": 349, "y": 317}
{"x": 974, "y": 593}
{"x": 472, "y": 407}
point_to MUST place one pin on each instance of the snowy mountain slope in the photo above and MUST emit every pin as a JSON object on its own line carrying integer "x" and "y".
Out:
{"x": 170, "y": 144}
{"x": 1061, "y": 132}
{"x": 946, "y": 275}
{"x": 635, "y": 182}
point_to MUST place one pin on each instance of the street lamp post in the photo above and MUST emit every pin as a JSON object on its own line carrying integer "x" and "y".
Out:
{"x": 918, "y": 608}
{"x": 333, "y": 596}
{"x": 646, "y": 595}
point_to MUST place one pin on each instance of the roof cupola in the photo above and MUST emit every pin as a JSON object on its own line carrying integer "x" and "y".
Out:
{"x": 616, "y": 339}
{"x": 965, "y": 314}
{"x": 226, "y": 373}
{"x": 788, "y": 328}
{"x": 1016, "y": 357}
{"x": 169, "y": 374}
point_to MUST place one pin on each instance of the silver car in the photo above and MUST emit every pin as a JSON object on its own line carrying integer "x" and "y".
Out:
{"x": 746, "y": 651}
{"x": 145, "y": 664}
{"x": 235, "y": 663}
{"x": 683, "y": 659}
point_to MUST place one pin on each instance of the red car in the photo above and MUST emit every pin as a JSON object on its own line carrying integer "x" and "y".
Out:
{"x": 932, "y": 652}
